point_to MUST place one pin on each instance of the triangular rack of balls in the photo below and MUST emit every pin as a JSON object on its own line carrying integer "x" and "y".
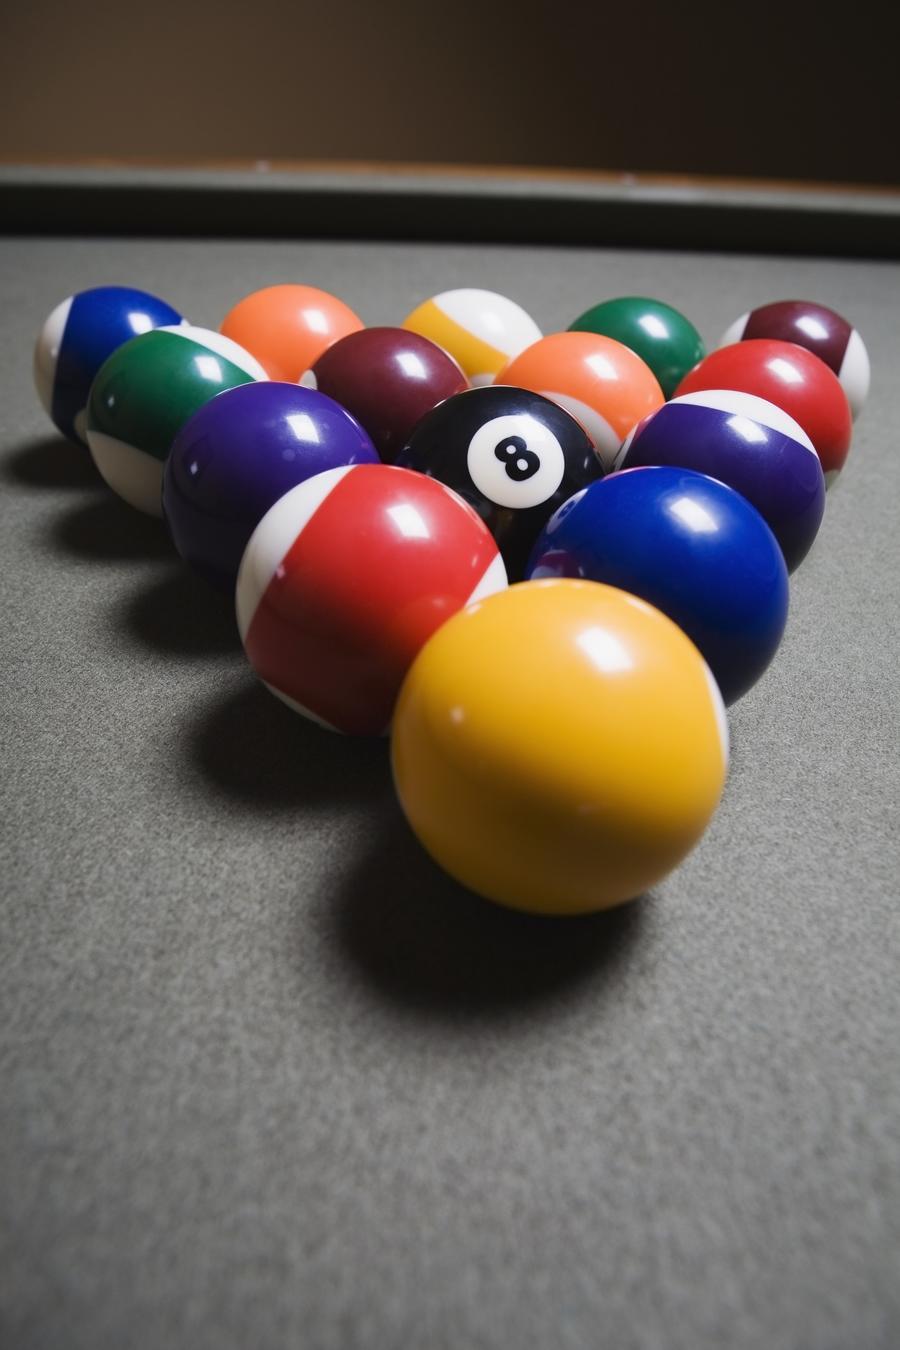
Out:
{"x": 543, "y": 564}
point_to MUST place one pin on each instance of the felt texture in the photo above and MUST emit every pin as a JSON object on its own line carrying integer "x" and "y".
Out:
{"x": 270, "y": 1079}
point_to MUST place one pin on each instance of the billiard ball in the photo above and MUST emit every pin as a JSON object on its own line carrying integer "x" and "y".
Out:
{"x": 661, "y": 336}
{"x": 480, "y": 329}
{"x": 819, "y": 330}
{"x": 601, "y": 382}
{"x": 690, "y": 546}
{"x": 748, "y": 443}
{"x": 513, "y": 455}
{"x": 78, "y": 336}
{"x": 388, "y": 379}
{"x": 559, "y": 747}
{"x": 288, "y": 327}
{"x": 791, "y": 378}
{"x": 237, "y": 455}
{"x": 145, "y": 392}
{"x": 345, "y": 578}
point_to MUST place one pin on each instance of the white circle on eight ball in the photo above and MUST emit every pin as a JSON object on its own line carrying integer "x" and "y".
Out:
{"x": 516, "y": 461}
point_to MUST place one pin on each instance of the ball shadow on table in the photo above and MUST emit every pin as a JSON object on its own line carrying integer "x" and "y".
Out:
{"x": 178, "y": 613}
{"x": 424, "y": 941}
{"x": 261, "y": 754}
{"x": 107, "y": 530}
{"x": 51, "y": 462}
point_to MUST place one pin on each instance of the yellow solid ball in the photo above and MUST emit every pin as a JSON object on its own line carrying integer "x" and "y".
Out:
{"x": 559, "y": 747}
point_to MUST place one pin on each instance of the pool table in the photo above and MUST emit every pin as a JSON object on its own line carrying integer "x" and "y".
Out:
{"x": 269, "y": 1078}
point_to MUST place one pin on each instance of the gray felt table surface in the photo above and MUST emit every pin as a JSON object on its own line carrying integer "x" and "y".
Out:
{"x": 269, "y": 1080}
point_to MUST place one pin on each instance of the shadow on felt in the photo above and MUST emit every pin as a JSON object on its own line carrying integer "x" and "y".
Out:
{"x": 260, "y": 753}
{"x": 52, "y": 462}
{"x": 423, "y": 940}
{"x": 178, "y": 613}
{"x": 108, "y": 530}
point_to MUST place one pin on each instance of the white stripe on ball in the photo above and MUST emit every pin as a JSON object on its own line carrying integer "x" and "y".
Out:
{"x": 605, "y": 441}
{"x": 132, "y": 473}
{"x": 748, "y": 405}
{"x": 221, "y": 345}
{"x": 735, "y": 331}
{"x": 492, "y": 318}
{"x": 273, "y": 537}
{"x": 46, "y": 353}
{"x": 493, "y": 579}
{"x": 855, "y": 373}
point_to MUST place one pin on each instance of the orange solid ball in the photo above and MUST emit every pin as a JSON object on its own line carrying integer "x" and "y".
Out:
{"x": 602, "y": 383}
{"x": 287, "y": 328}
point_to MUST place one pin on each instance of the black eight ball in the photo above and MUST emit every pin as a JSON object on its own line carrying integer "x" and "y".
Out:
{"x": 511, "y": 454}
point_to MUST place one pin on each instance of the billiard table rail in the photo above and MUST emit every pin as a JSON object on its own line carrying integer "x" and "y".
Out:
{"x": 446, "y": 203}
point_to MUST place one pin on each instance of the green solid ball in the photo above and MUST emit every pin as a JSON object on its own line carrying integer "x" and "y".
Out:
{"x": 667, "y": 341}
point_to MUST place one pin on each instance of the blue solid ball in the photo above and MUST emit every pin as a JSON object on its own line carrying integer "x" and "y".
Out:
{"x": 687, "y": 544}
{"x": 238, "y": 454}
{"x": 78, "y": 336}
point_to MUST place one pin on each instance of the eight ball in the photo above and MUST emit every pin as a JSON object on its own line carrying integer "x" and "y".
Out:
{"x": 512, "y": 454}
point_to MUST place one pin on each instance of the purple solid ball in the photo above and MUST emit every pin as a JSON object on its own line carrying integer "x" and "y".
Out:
{"x": 238, "y": 455}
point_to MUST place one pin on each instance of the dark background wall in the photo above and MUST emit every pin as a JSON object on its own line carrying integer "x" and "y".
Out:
{"x": 792, "y": 92}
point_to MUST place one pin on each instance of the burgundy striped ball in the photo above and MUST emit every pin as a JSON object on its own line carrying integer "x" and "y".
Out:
{"x": 820, "y": 330}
